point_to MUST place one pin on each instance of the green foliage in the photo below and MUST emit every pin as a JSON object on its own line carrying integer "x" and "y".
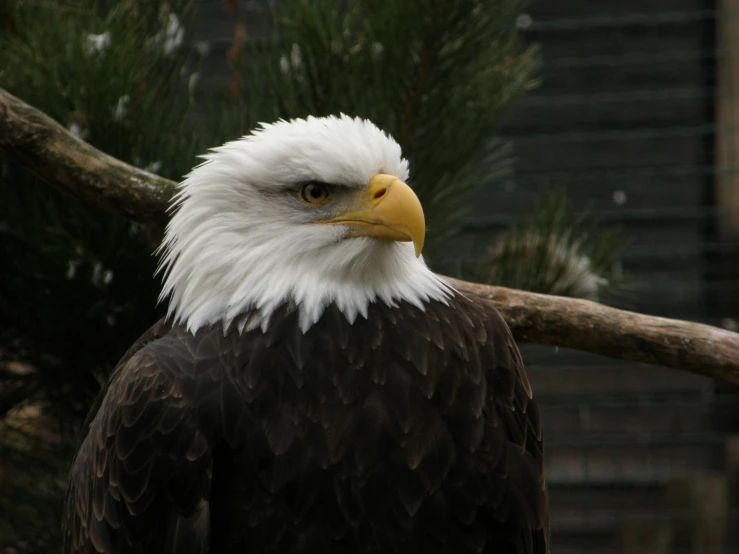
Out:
{"x": 77, "y": 283}
{"x": 73, "y": 270}
{"x": 550, "y": 253}
{"x": 112, "y": 74}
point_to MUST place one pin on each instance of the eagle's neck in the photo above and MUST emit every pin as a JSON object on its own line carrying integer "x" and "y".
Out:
{"x": 221, "y": 283}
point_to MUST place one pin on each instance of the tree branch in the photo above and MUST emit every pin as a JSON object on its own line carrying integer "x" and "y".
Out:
{"x": 592, "y": 327}
{"x": 34, "y": 140}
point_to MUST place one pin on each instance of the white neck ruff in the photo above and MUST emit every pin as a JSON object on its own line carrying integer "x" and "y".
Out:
{"x": 213, "y": 281}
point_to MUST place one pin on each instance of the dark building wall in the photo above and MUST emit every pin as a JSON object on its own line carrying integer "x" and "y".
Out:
{"x": 623, "y": 120}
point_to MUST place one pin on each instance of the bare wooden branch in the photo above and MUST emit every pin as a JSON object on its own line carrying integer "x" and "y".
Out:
{"x": 593, "y": 327}
{"x": 32, "y": 139}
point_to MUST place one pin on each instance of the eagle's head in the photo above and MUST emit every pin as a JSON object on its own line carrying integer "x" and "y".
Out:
{"x": 309, "y": 211}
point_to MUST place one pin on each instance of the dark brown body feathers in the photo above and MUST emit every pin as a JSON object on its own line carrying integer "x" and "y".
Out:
{"x": 408, "y": 431}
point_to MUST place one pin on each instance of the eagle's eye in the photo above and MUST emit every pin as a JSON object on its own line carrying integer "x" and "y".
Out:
{"x": 315, "y": 194}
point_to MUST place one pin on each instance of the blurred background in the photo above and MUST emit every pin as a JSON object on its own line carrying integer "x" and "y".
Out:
{"x": 577, "y": 147}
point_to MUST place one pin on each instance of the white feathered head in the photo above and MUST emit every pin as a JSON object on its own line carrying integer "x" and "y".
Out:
{"x": 312, "y": 211}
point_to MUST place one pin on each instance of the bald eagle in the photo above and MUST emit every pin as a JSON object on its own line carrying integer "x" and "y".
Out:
{"x": 314, "y": 387}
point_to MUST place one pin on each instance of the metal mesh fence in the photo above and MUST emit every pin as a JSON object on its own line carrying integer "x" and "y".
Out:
{"x": 636, "y": 115}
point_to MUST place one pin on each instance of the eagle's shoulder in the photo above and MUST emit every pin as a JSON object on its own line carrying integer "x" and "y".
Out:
{"x": 503, "y": 432}
{"x": 158, "y": 330}
{"x": 144, "y": 451}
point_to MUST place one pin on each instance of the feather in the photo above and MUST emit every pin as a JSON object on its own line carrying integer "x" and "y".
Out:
{"x": 272, "y": 440}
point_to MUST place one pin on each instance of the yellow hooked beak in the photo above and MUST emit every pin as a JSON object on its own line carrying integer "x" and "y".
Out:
{"x": 388, "y": 210}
